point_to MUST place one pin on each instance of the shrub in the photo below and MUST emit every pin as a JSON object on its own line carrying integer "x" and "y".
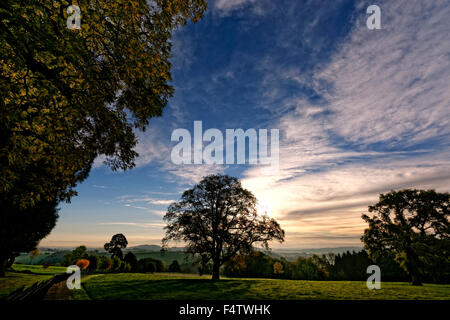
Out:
{"x": 82, "y": 264}
{"x": 94, "y": 262}
{"x": 116, "y": 264}
{"x": 151, "y": 265}
{"x": 77, "y": 254}
{"x": 278, "y": 268}
{"x": 131, "y": 259}
{"x": 105, "y": 263}
{"x": 125, "y": 267}
{"x": 174, "y": 266}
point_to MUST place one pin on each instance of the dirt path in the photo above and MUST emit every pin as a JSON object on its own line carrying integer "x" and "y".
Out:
{"x": 59, "y": 291}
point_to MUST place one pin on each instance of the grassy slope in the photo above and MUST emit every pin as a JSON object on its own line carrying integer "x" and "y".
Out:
{"x": 190, "y": 286}
{"x": 163, "y": 286}
{"x": 36, "y": 269}
{"x": 15, "y": 280}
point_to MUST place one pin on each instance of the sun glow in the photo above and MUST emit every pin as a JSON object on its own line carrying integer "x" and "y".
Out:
{"x": 264, "y": 208}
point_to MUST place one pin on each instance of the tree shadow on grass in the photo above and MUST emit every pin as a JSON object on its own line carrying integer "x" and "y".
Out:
{"x": 172, "y": 289}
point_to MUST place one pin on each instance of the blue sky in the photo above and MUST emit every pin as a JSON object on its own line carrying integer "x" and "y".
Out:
{"x": 360, "y": 112}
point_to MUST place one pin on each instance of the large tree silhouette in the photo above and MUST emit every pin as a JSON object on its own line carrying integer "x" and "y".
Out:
{"x": 115, "y": 246}
{"x": 412, "y": 224}
{"x": 23, "y": 230}
{"x": 218, "y": 219}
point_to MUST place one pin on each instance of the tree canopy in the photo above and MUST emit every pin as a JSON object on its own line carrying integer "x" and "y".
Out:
{"x": 115, "y": 246}
{"x": 22, "y": 231}
{"x": 71, "y": 95}
{"x": 414, "y": 225}
{"x": 218, "y": 219}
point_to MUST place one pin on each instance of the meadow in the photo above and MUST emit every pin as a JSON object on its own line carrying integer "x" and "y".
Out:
{"x": 25, "y": 276}
{"x": 174, "y": 286}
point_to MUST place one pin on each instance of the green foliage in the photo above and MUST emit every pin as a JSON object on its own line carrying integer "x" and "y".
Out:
{"x": 347, "y": 266}
{"x": 115, "y": 246}
{"x": 66, "y": 93}
{"x": 260, "y": 265}
{"x": 94, "y": 262}
{"x": 78, "y": 253}
{"x": 413, "y": 225}
{"x": 131, "y": 259}
{"x": 105, "y": 263}
{"x": 22, "y": 229}
{"x": 351, "y": 266}
{"x": 174, "y": 266}
{"x": 125, "y": 267}
{"x": 68, "y": 96}
{"x": 116, "y": 264}
{"x": 151, "y": 265}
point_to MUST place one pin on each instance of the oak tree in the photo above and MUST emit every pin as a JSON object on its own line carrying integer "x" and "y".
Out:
{"x": 70, "y": 95}
{"x": 218, "y": 219}
{"x": 412, "y": 224}
{"x": 115, "y": 246}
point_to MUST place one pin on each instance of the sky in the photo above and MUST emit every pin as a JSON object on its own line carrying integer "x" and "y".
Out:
{"x": 360, "y": 112}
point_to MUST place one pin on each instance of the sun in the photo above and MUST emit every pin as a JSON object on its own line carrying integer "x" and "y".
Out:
{"x": 264, "y": 208}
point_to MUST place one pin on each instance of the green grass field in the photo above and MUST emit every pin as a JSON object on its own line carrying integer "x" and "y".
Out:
{"x": 162, "y": 286}
{"x": 15, "y": 280}
{"x": 137, "y": 286}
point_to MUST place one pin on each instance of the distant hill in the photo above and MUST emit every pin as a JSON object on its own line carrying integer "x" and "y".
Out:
{"x": 336, "y": 250}
{"x": 144, "y": 247}
{"x": 151, "y": 248}
{"x": 55, "y": 255}
{"x": 293, "y": 254}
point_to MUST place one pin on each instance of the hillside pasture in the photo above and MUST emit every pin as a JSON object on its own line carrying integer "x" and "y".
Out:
{"x": 178, "y": 286}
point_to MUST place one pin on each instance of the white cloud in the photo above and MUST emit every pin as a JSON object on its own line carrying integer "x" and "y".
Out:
{"x": 391, "y": 85}
{"x": 136, "y": 224}
{"x": 230, "y": 5}
{"x": 191, "y": 174}
{"x": 227, "y": 7}
{"x": 128, "y": 200}
{"x": 384, "y": 87}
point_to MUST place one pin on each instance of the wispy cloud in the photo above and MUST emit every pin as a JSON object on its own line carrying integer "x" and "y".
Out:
{"x": 135, "y": 224}
{"x": 190, "y": 174}
{"x": 99, "y": 187}
{"x": 128, "y": 200}
{"x": 383, "y": 94}
{"x": 226, "y": 7}
{"x": 357, "y": 117}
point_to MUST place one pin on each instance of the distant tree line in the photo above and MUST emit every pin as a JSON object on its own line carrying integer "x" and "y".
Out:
{"x": 350, "y": 266}
{"x": 106, "y": 263}
{"x": 117, "y": 261}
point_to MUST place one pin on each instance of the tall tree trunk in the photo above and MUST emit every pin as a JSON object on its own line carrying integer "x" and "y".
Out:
{"x": 412, "y": 264}
{"x": 216, "y": 269}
